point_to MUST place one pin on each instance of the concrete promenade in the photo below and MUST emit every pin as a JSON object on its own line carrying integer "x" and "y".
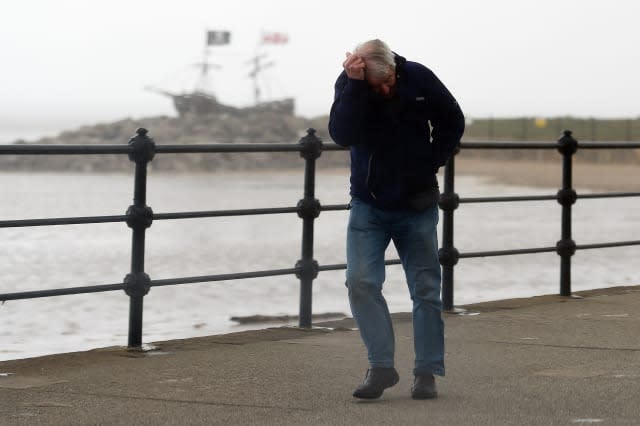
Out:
{"x": 538, "y": 361}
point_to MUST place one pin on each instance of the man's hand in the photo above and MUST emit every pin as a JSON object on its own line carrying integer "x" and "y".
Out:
{"x": 354, "y": 66}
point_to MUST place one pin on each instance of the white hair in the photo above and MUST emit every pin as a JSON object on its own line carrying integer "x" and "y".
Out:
{"x": 379, "y": 58}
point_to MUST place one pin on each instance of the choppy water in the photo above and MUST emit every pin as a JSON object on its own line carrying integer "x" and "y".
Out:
{"x": 77, "y": 255}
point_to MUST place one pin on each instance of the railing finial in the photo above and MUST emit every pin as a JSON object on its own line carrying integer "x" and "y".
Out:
{"x": 567, "y": 144}
{"x": 144, "y": 148}
{"x": 311, "y": 145}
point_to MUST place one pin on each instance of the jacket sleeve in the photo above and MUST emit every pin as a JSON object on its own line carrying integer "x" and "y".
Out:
{"x": 447, "y": 120}
{"x": 347, "y": 117}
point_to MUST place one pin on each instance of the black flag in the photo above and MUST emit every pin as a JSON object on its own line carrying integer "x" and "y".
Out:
{"x": 218, "y": 37}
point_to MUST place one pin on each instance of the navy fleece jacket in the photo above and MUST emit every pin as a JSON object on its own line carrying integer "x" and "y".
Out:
{"x": 397, "y": 144}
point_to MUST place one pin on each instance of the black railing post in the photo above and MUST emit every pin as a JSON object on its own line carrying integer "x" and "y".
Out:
{"x": 139, "y": 218}
{"x": 448, "y": 255}
{"x": 567, "y": 196}
{"x": 308, "y": 209}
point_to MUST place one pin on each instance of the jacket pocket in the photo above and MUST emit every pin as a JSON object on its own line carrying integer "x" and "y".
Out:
{"x": 423, "y": 200}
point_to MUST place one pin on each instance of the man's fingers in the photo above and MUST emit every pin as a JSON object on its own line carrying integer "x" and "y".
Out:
{"x": 353, "y": 61}
{"x": 354, "y": 66}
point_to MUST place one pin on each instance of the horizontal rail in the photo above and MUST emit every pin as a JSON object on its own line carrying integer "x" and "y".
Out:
{"x": 226, "y": 147}
{"x": 545, "y": 249}
{"x": 545, "y": 145}
{"x": 55, "y": 149}
{"x": 241, "y": 212}
{"x": 159, "y": 216}
{"x": 265, "y": 211}
{"x": 222, "y": 213}
{"x": 335, "y": 207}
{"x": 61, "y": 221}
{"x": 171, "y": 281}
{"x": 278, "y": 272}
{"x": 334, "y": 147}
{"x": 507, "y": 252}
{"x": 59, "y": 149}
{"x": 610, "y": 195}
{"x": 508, "y": 199}
{"x": 339, "y": 266}
{"x": 508, "y": 145}
{"x": 240, "y": 147}
{"x": 607, "y": 245}
{"x": 608, "y": 145}
{"x": 224, "y": 277}
{"x": 334, "y": 267}
{"x": 545, "y": 197}
{"x": 60, "y": 292}
{"x": 245, "y": 275}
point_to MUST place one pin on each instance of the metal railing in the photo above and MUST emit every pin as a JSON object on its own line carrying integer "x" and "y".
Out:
{"x": 566, "y": 197}
{"x": 141, "y": 149}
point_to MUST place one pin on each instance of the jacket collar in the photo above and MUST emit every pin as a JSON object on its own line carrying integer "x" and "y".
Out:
{"x": 400, "y": 61}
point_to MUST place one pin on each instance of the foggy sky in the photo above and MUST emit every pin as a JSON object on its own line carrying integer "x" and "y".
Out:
{"x": 78, "y": 62}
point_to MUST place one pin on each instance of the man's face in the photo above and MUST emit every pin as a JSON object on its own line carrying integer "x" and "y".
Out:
{"x": 383, "y": 85}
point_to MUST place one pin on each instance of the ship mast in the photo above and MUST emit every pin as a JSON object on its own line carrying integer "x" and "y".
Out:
{"x": 213, "y": 38}
{"x": 202, "y": 84}
{"x": 258, "y": 67}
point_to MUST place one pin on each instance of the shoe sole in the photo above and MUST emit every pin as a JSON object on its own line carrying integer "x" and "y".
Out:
{"x": 376, "y": 395}
{"x": 425, "y": 396}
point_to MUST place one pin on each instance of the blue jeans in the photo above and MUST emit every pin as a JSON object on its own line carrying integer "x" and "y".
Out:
{"x": 414, "y": 235}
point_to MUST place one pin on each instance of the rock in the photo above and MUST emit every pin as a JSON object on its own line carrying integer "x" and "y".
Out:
{"x": 253, "y": 126}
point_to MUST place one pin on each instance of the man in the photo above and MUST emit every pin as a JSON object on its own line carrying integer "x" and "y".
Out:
{"x": 401, "y": 124}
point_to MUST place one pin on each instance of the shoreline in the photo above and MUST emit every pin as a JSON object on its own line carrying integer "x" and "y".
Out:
{"x": 586, "y": 176}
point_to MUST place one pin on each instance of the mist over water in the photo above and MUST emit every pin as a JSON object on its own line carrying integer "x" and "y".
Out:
{"x": 34, "y": 258}
{"x": 12, "y": 134}
{"x": 31, "y": 127}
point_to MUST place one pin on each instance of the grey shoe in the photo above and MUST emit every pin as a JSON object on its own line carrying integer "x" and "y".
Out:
{"x": 424, "y": 387}
{"x": 376, "y": 381}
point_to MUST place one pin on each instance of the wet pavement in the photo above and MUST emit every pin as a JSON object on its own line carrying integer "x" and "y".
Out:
{"x": 537, "y": 361}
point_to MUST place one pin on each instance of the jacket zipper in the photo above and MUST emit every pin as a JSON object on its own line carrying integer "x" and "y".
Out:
{"x": 369, "y": 176}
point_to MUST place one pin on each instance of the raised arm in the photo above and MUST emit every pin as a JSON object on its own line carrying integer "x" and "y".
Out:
{"x": 346, "y": 120}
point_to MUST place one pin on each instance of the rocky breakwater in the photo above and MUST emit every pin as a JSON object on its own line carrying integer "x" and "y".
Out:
{"x": 250, "y": 127}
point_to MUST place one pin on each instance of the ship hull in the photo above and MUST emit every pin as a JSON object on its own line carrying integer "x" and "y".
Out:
{"x": 198, "y": 103}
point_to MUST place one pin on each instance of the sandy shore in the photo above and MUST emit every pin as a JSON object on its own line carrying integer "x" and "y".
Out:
{"x": 586, "y": 176}
{"x": 598, "y": 177}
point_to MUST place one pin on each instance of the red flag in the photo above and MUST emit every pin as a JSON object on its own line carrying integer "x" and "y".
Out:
{"x": 274, "y": 38}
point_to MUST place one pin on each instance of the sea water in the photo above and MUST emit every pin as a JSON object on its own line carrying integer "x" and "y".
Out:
{"x": 34, "y": 258}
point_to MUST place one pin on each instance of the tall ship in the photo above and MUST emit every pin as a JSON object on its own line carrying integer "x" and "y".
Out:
{"x": 201, "y": 101}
